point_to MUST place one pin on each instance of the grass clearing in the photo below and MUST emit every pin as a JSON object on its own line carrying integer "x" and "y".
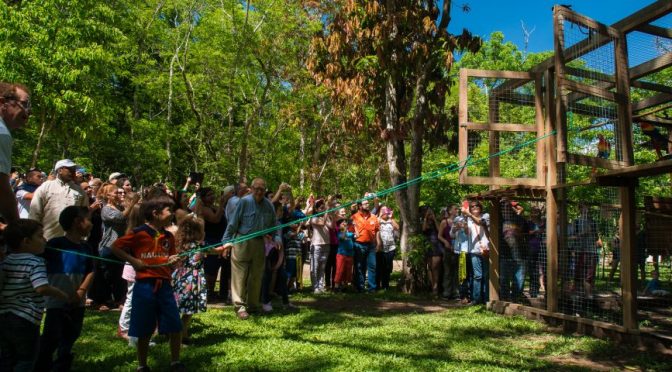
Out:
{"x": 386, "y": 331}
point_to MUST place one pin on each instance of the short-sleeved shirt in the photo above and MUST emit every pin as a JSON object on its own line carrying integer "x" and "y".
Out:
{"x": 5, "y": 149}
{"x": 50, "y": 200}
{"x": 152, "y": 248}
{"x": 366, "y": 226}
{"x": 293, "y": 247}
{"x": 23, "y": 273}
{"x": 345, "y": 244}
{"x": 251, "y": 217}
{"x": 65, "y": 270}
{"x": 23, "y": 204}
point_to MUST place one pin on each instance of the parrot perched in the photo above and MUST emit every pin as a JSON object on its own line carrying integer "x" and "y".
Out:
{"x": 603, "y": 147}
{"x": 657, "y": 141}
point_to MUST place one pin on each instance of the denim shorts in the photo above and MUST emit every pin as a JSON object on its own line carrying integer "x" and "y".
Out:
{"x": 153, "y": 303}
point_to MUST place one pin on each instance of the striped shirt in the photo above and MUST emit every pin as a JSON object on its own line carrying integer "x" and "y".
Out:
{"x": 23, "y": 273}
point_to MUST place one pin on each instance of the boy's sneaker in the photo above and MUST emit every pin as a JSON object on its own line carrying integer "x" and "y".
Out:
{"x": 267, "y": 308}
{"x": 177, "y": 367}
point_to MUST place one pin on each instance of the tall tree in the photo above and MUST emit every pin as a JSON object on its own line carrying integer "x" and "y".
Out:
{"x": 386, "y": 64}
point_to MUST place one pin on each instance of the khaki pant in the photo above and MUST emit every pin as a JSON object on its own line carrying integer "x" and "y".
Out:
{"x": 247, "y": 271}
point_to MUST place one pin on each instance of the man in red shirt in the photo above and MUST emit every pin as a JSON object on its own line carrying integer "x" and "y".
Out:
{"x": 367, "y": 228}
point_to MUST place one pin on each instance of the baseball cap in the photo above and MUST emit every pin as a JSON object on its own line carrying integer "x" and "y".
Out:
{"x": 65, "y": 163}
{"x": 115, "y": 175}
{"x": 228, "y": 189}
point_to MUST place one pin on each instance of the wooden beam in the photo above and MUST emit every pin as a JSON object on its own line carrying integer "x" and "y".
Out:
{"x": 582, "y": 20}
{"x": 551, "y": 201}
{"x": 463, "y": 117}
{"x": 640, "y": 170}
{"x": 655, "y": 120}
{"x": 649, "y": 102}
{"x": 493, "y": 257}
{"x": 477, "y": 73}
{"x": 655, "y": 30}
{"x": 651, "y": 86}
{"x": 500, "y": 127}
{"x": 651, "y": 66}
{"x": 628, "y": 257}
{"x": 560, "y": 99}
{"x": 595, "y": 162}
{"x": 539, "y": 121}
{"x": 501, "y": 181}
{"x": 624, "y": 148}
{"x": 592, "y": 90}
{"x": 593, "y": 75}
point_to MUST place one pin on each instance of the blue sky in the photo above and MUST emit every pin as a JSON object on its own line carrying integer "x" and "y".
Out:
{"x": 487, "y": 16}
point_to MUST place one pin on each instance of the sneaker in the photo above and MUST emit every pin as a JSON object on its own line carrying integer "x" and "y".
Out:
{"x": 177, "y": 367}
{"x": 267, "y": 308}
{"x": 133, "y": 342}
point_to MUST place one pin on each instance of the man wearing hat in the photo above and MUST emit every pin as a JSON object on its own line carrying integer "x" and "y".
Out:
{"x": 116, "y": 176}
{"x": 53, "y": 196}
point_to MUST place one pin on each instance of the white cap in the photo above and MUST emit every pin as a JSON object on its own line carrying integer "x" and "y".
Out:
{"x": 229, "y": 189}
{"x": 65, "y": 163}
{"x": 115, "y": 175}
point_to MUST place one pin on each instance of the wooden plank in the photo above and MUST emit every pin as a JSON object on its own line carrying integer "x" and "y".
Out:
{"x": 551, "y": 202}
{"x": 493, "y": 144}
{"x": 477, "y": 73}
{"x": 655, "y": 120}
{"x": 595, "y": 162}
{"x": 592, "y": 90}
{"x": 500, "y": 127}
{"x": 501, "y": 181}
{"x": 645, "y": 15}
{"x": 539, "y": 121}
{"x": 593, "y": 75}
{"x": 651, "y": 86}
{"x": 463, "y": 118}
{"x": 628, "y": 257}
{"x": 560, "y": 99}
{"x": 655, "y": 30}
{"x": 581, "y": 19}
{"x": 653, "y": 101}
{"x": 640, "y": 170}
{"x": 651, "y": 66}
{"x": 624, "y": 148}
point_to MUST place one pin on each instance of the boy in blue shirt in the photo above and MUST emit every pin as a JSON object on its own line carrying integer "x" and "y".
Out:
{"x": 69, "y": 270}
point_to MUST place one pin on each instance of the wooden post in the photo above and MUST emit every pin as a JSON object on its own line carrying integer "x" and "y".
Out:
{"x": 551, "y": 201}
{"x": 560, "y": 96}
{"x": 628, "y": 257}
{"x": 493, "y": 139}
{"x": 493, "y": 285}
{"x": 463, "y": 117}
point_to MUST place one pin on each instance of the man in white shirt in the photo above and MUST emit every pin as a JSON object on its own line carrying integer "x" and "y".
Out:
{"x": 53, "y": 196}
{"x": 14, "y": 113}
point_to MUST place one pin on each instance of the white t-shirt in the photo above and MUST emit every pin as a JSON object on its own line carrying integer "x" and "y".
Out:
{"x": 5, "y": 148}
{"x": 320, "y": 233}
{"x": 23, "y": 204}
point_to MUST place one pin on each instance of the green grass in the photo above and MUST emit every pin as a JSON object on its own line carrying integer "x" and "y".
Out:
{"x": 388, "y": 331}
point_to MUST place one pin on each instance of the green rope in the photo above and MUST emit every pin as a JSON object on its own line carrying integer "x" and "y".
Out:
{"x": 457, "y": 166}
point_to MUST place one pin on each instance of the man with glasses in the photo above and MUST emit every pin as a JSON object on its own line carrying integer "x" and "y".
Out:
{"x": 14, "y": 113}
{"x": 54, "y": 196}
{"x": 25, "y": 191}
{"x": 253, "y": 214}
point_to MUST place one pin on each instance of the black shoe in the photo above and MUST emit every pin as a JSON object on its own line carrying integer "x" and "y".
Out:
{"x": 143, "y": 369}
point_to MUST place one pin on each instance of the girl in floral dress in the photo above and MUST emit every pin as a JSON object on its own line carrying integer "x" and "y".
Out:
{"x": 189, "y": 277}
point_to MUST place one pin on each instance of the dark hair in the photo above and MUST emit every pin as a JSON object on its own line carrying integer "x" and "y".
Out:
{"x": 70, "y": 214}
{"x": 203, "y": 191}
{"x": 155, "y": 205}
{"x": 19, "y": 230}
{"x": 8, "y": 90}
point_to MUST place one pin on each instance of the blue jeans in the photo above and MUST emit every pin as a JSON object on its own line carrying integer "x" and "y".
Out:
{"x": 479, "y": 280}
{"x": 513, "y": 278}
{"x": 365, "y": 261}
{"x": 19, "y": 341}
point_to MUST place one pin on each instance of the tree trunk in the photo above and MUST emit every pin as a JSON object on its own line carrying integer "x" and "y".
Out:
{"x": 243, "y": 157}
{"x": 302, "y": 158}
{"x": 44, "y": 127}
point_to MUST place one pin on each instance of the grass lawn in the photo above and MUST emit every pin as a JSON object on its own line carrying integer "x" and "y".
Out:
{"x": 386, "y": 331}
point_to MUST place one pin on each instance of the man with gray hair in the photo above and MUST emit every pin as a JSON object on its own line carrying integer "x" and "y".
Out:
{"x": 253, "y": 214}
